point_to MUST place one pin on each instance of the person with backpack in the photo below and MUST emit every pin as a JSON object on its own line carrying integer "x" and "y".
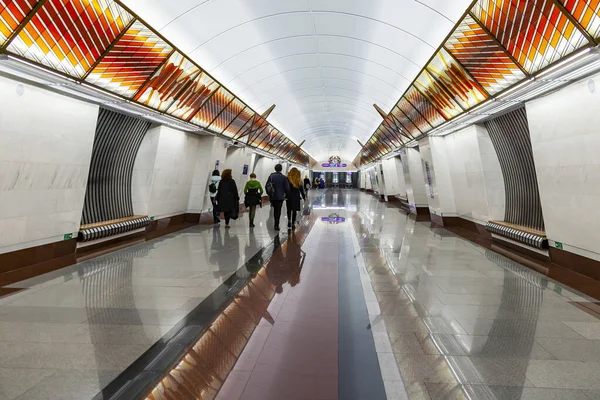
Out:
{"x": 213, "y": 187}
{"x": 293, "y": 199}
{"x": 253, "y": 191}
{"x": 277, "y": 187}
{"x": 228, "y": 198}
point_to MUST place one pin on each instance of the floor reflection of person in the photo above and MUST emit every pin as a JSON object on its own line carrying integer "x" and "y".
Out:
{"x": 225, "y": 254}
{"x": 294, "y": 257}
{"x": 254, "y": 256}
{"x": 283, "y": 269}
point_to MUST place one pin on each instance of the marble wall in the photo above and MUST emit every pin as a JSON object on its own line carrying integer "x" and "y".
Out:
{"x": 236, "y": 158}
{"x": 413, "y": 176}
{"x": 565, "y": 137}
{"x": 264, "y": 167}
{"x": 210, "y": 150}
{"x": 436, "y": 173}
{"x": 394, "y": 177}
{"x": 162, "y": 185}
{"x": 476, "y": 176}
{"x": 46, "y": 143}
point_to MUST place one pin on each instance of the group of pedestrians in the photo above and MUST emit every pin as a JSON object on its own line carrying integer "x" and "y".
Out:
{"x": 280, "y": 188}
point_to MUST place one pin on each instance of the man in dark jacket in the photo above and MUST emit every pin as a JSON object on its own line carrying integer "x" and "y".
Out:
{"x": 281, "y": 188}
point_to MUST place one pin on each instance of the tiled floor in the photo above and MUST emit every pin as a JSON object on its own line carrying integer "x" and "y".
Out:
{"x": 462, "y": 322}
{"x": 445, "y": 319}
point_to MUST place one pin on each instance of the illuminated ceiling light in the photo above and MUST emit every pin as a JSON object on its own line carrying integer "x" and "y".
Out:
{"x": 513, "y": 89}
{"x": 566, "y": 62}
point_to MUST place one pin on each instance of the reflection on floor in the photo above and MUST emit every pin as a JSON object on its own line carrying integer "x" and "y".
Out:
{"x": 247, "y": 316}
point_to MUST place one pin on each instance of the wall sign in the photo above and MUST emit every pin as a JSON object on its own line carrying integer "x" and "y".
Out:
{"x": 329, "y": 165}
{"x": 429, "y": 180}
{"x": 217, "y": 163}
{"x": 245, "y": 171}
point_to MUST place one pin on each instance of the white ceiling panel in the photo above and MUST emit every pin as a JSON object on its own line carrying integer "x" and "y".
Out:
{"x": 323, "y": 63}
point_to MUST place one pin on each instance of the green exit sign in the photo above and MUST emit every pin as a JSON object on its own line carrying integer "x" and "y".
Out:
{"x": 151, "y": 218}
{"x": 558, "y": 289}
{"x": 68, "y": 236}
{"x": 558, "y": 245}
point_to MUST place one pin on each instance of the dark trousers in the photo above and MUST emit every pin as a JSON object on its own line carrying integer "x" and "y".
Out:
{"x": 277, "y": 206}
{"x": 291, "y": 214}
{"x": 252, "y": 214}
{"x": 215, "y": 210}
{"x": 227, "y": 216}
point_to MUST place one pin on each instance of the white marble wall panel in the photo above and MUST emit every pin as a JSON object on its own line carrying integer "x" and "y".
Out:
{"x": 394, "y": 177}
{"x": 400, "y": 176}
{"x": 492, "y": 175}
{"x": 477, "y": 181}
{"x": 381, "y": 179}
{"x": 176, "y": 157}
{"x": 443, "y": 178}
{"x": 565, "y": 136}
{"x": 265, "y": 166}
{"x": 415, "y": 181}
{"x": 210, "y": 150}
{"x": 436, "y": 173}
{"x": 143, "y": 171}
{"x": 46, "y": 144}
{"x": 372, "y": 178}
{"x": 236, "y": 158}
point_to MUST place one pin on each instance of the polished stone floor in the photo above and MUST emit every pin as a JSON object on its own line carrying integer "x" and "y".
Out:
{"x": 360, "y": 302}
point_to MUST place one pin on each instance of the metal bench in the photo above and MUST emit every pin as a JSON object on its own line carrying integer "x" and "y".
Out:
{"x": 521, "y": 234}
{"x": 113, "y": 227}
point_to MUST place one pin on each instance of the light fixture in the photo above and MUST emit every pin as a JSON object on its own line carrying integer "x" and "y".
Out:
{"x": 565, "y": 63}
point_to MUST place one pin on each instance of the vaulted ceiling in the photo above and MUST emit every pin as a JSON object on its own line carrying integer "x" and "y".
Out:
{"x": 324, "y": 63}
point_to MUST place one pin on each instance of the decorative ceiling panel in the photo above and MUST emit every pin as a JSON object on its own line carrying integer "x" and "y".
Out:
{"x": 408, "y": 125}
{"x": 227, "y": 116}
{"x": 483, "y": 57}
{"x": 167, "y": 82}
{"x": 414, "y": 115}
{"x": 535, "y": 32}
{"x": 392, "y": 130}
{"x": 587, "y": 13}
{"x": 262, "y": 136}
{"x": 132, "y": 61}
{"x": 252, "y": 130}
{"x": 71, "y": 35}
{"x": 188, "y": 103}
{"x": 452, "y": 75}
{"x": 239, "y": 123}
{"x": 212, "y": 107}
{"x": 424, "y": 106}
{"x": 12, "y": 13}
{"x": 437, "y": 94}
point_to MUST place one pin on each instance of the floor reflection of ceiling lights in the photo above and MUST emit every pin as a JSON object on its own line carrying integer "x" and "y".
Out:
{"x": 334, "y": 219}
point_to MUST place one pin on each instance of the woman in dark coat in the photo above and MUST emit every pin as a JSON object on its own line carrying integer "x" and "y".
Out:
{"x": 228, "y": 197}
{"x": 293, "y": 200}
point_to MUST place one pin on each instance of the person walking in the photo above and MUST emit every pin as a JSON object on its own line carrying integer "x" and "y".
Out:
{"x": 277, "y": 187}
{"x": 293, "y": 198}
{"x": 213, "y": 187}
{"x": 306, "y": 184}
{"x": 253, "y": 192}
{"x": 228, "y": 199}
